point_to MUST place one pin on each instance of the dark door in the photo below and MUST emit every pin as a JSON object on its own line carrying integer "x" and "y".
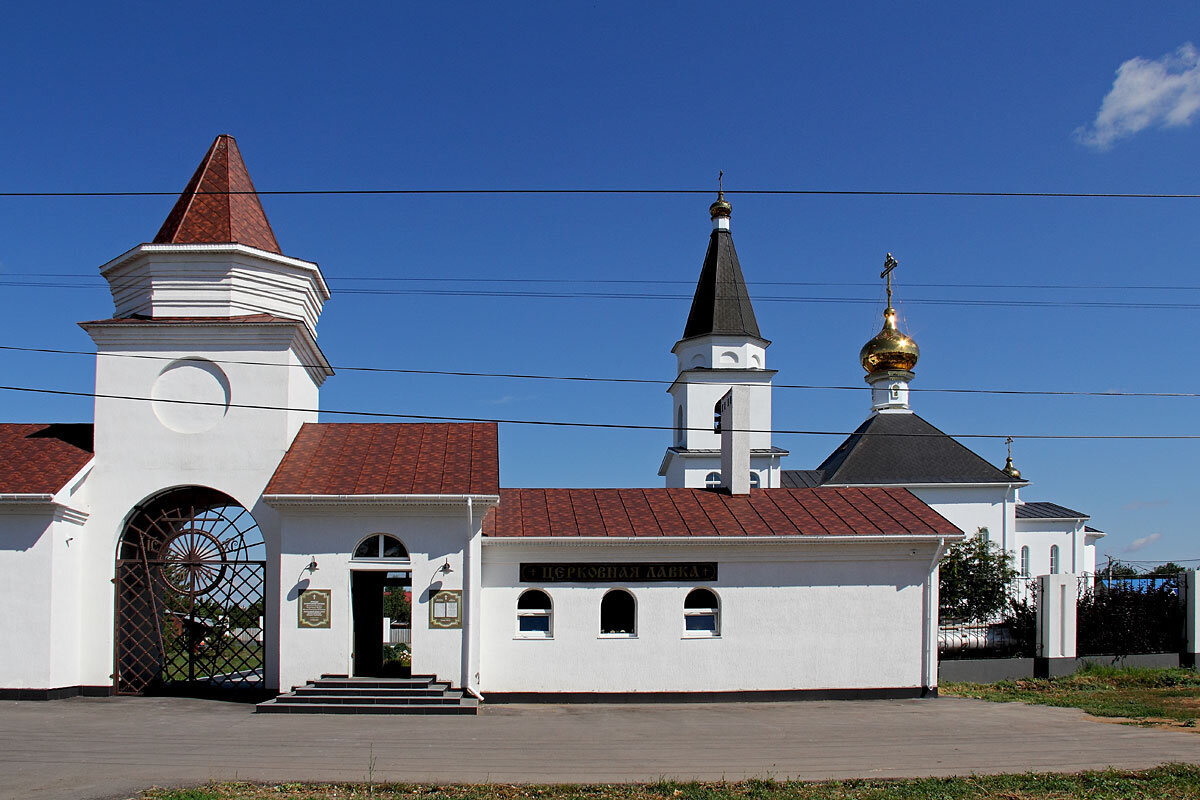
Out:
{"x": 366, "y": 595}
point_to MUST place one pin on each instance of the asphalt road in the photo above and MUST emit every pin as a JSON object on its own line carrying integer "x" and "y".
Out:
{"x": 112, "y": 748}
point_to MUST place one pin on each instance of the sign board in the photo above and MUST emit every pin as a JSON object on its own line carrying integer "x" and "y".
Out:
{"x": 445, "y": 609}
{"x": 314, "y": 608}
{"x": 682, "y": 572}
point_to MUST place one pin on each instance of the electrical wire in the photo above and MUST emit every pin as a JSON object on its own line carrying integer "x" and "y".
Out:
{"x": 590, "y": 379}
{"x": 600, "y": 425}
{"x": 629, "y": 191}
{"x": 492, "y": 293}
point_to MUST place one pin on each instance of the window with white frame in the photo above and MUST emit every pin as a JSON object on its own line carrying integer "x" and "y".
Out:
{"x": 535, "y": 615}
{"x": 712, "y": 480}
{"x": 1053, "y": 559}
{"x": 382, "y": 546}
{"x": 755, "y": 481}
{"x": 701, "y": 614}
{"x": 618, "y": 614}
{"x": 1025, "y": 561}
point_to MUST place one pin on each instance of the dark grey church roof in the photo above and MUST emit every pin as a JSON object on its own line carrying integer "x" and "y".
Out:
{"x": 721, "y": 304}
{"x": 898, "y": 450}
{"x": 1048, "y": 511}
{"x": 801, "y": 478}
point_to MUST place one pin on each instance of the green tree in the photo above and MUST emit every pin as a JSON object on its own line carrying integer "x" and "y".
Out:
{"x": 1169, "y": 569}
{"x": 396, "y": 606}
{"x": 975, "y": 582}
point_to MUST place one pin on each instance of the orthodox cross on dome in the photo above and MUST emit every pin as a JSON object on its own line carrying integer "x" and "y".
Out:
{"x": 720, "y": 183}
{"x": 889, "y": 264}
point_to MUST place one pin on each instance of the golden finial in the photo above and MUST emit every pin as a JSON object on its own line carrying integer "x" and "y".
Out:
{"x": 890, "y": 349}
{"x": 721, "y": 208}
{"x": 1009, "y": 469}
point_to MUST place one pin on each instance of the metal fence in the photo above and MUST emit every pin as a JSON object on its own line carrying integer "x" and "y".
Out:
{"x": 1009, "y": 633}
{"x": 1121, "y": 616}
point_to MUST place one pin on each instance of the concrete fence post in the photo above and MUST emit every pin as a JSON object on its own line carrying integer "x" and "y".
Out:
{"x": 1056, "y": 601}
{"x": 1191, "y": 634}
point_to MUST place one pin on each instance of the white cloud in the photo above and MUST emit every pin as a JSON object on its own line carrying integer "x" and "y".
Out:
{"x": 1144, "y": 541}
{"x": 1164, "y": 92}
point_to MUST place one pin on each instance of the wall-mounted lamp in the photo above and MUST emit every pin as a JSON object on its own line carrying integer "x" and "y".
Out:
{"x": 446, "y": 569}
{"x": 312, "y": 565}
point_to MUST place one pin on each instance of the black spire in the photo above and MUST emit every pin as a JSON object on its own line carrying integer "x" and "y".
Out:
{"x": 722, "y": 303}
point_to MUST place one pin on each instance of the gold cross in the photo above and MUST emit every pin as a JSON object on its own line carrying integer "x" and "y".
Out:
{"x": 889, "y": 264}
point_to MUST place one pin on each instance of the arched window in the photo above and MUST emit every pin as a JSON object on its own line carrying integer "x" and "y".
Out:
{"x": 894, "y": 392}
{"x": 381, "y": 545}
{"x": 1025, "y": 561}
{"x": 701, "y": 614}
{"x": 618, "y": 614}
{"x": 755, "y": 481}
{"x": 717, "y": 417}
{"x": 535, "y": 615}
{"x": 679, "y": 425}
{"x": 712, "y": 480}
{"x": 1053, "y": 559}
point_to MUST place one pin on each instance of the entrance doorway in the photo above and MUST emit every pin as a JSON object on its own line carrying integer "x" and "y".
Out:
{"x": 381, "y": 603}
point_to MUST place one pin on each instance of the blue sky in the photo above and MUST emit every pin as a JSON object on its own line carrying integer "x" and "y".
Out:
{"x": 1019, "y": 97}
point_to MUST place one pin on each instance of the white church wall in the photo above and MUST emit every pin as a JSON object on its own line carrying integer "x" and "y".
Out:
{"x": 974, "y": 507}
{"x": 802, "y": 616}
{"x": 26, "y": 549}
{"x": 143, "y": 448}
{"x": 1041, "y": 535}
{"x": 433, "y": 536}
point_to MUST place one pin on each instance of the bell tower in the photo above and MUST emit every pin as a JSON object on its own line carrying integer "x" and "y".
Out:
{"x": 721, "y": 347}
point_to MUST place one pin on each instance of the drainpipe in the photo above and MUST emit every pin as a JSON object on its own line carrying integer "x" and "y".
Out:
{"x": 929, "y": 657}
{"x": 468, "y": 599}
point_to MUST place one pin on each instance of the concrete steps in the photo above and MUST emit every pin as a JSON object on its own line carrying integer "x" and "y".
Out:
{"x": 339, "y": 694}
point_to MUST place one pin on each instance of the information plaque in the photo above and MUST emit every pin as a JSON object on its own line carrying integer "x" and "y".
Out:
{"x": 314, "y": 608}
{"x": 445, "y": 609}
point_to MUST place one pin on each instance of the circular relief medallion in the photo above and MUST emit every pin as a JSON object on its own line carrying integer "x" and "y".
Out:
{"x": 191, "y": 395}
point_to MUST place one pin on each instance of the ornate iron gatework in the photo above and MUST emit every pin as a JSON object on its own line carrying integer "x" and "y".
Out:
{"x": 190, "y": 593}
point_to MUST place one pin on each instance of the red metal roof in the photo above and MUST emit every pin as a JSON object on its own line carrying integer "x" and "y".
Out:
{"x": 219, "y": 204}
{"x": 703, "y": 512}
{"x": 347, "y": 458}
{"x": 40, "y": 459}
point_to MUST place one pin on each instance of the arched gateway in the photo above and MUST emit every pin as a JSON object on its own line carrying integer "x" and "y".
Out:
{"x": 190, "y": 595}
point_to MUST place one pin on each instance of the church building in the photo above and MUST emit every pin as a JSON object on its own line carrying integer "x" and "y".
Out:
{"x": 208, "y": 534}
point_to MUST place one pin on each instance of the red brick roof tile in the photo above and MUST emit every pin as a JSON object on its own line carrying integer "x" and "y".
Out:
{"x": 702, "y": 512}
{"x": 346, "y": 458}
{"x": 219, "y": 205}
{"x": 40, "y": 459}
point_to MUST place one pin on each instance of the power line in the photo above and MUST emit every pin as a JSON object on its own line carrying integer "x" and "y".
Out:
{"x": 629, "y": 191}
{"x": 1105, "y": 304}
{"x": 636, "y": 281}
{"x": 591, "y": 379}
{"x": 601, "y": 425}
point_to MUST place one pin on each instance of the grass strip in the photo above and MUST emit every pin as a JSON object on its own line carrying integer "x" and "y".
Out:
{"x": 1166, "y": 783}
{"x": 1139, "y": 694}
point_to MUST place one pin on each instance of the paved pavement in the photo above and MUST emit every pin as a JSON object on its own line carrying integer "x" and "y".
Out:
{"x": 111, "y": 748}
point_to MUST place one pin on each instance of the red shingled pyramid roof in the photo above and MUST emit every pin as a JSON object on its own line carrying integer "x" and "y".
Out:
{"x": 219, "y": 204}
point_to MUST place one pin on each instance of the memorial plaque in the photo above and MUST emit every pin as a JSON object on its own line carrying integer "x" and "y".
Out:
{"x": 675, "y": 572}
{"x": 445, "y": 609}
{"x": 314, "y": 608}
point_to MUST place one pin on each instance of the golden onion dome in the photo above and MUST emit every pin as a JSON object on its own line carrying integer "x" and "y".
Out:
{"x": 1010, "y": 469}
{"x": 890, "y": 349}
{"x": 721, "y": 208}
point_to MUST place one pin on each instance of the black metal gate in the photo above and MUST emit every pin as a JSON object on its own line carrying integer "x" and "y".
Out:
{"x": 190, "y": 596}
